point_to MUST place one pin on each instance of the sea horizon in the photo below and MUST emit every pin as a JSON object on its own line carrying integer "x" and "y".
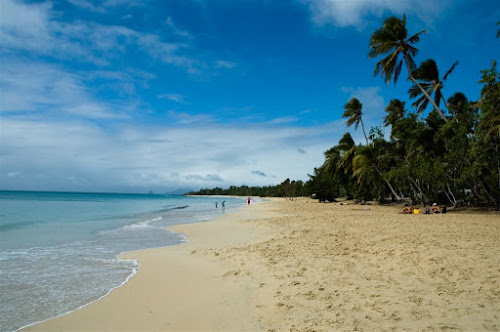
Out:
{"x": 90, "y": 192}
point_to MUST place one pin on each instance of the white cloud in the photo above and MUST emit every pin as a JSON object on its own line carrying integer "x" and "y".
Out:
{"x": 173, "y": 97}
{"x": 86, "y": 4}
{"x": 186, "y": 118}
{"x": 176, "y": 30}
{"x": 223, "y": 64}
{"x": 123, "y": 3}
{"x": 22, "y": 24}
{"x": 197, "y": 178}
{"x": 95, "y": 111}
{"x": 51, "y": 89}
{"x": 102, "y": 7}
{"x": 36, "y": 28}
{"x": 344, "y": 13}
{"x": 285, "y": 119}
{"x": 159, "y": 158}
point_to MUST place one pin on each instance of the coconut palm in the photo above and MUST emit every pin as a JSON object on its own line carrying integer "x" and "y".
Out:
{"x": 353, "y": 113}
{"x": 395, "y": 111}
{"x": 366, "y": 168}
{"x": 347, "y": 149}
{"x": 392, "y": 39}
{"x": 428, "y": 76}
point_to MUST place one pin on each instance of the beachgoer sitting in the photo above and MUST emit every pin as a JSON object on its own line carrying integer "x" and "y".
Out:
{"x": 435, "y": 209}
{"x": 408, "y": 210}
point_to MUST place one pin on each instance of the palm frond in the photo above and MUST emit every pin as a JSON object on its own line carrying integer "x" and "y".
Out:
{"x": 421, "y": 104}
{"x": 411, "y": 63}
{"x": 388, "y": 69}
{"x": 398, "y": 71}
{"x": 427, "y": 72}
{"x": 438, "y": 96}
{"x": 416, "y": 37}
{"x": 378, "y": 66}
{"x": 411, "y": 50}
{"x": 414, "y": 91}
{"x": 346, "y": 142}
{"x": 352, "y": 111}
{"x": 450, "y": 70}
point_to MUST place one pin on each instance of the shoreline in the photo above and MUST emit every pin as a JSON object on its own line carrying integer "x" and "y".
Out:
{"x": 118, "y": 257}
{"x": 174, "y": 255}
{"x": 121, "y": 257}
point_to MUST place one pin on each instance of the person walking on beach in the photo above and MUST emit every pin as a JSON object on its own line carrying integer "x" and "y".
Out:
{"x": 216, "y": 205}
{"x": 223, "y": 205}
{"x": 248, "y": 200}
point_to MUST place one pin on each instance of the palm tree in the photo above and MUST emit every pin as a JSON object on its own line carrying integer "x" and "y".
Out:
{"x": 395, "y": 111}
{"x": 366, "y": 167}
{"x": 393, "y": 38}
{"x": 428, "y": 75}
{"x": 353, "y": 113}
{"x": 347, "y": 149}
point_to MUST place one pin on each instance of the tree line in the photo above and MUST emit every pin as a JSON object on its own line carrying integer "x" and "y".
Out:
{"x": 451, "y": 155}
{"x": 285, "y": 189}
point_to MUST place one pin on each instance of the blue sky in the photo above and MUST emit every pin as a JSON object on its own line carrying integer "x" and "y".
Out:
{"x": 132, "y": 96}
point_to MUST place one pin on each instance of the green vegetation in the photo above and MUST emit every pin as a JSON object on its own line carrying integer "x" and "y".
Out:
{"x": 449, "y": 156}
{"x": 286, "y": 189}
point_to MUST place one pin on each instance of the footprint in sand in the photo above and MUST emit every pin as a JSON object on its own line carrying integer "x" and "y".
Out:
{"x": 231, "y": 273}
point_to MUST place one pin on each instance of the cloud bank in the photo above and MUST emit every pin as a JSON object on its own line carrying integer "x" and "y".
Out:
{"x": 354, "y": 13}
{"x": 78, "y": 155}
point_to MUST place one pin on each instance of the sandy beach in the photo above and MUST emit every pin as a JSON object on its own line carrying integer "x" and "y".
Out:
{"x": 301, "y": 265}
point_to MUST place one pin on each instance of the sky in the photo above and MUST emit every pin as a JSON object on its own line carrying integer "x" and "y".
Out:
{"x": 165, "y": 96}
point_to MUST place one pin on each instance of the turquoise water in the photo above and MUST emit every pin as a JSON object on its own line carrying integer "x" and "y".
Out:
{"x": 58, "y": 251}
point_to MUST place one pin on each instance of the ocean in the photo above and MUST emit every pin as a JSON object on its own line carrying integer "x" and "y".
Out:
{"x": 59, "y": 250}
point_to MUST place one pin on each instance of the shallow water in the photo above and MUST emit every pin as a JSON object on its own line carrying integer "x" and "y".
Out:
{"x": 58, "y": 251}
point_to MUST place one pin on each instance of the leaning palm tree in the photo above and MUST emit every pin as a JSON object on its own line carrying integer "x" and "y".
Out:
{"x": 428, "y": 76}
{"x": 392, "y": 38}
{"x": 366, "y": 168}
{"x": 353, "y": 113}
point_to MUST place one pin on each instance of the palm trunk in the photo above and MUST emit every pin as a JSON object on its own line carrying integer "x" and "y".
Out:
{"x": 436, "y": 107}
{"x": 420, "y": 191}
{"x": 451, "y": 194}
{"x": 363, "y": 127}
{"x": 448, "y": 196}
{"x": 492, "y": 199}
{"x": 391, "y": 188}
